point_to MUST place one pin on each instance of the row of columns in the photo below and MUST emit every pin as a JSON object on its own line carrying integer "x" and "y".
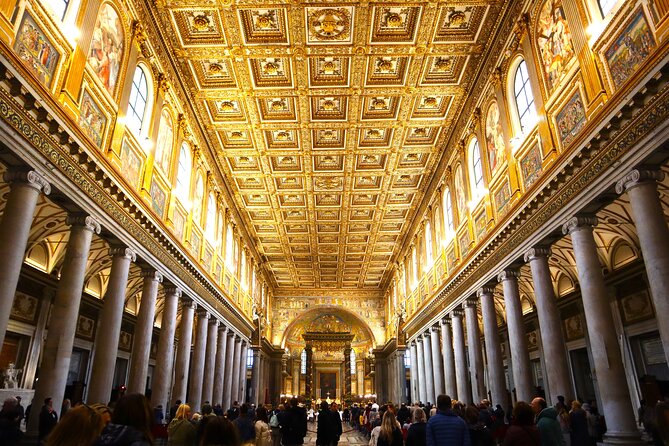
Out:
{"x": 216, "y": 347}
{"x": 457, "y": 377}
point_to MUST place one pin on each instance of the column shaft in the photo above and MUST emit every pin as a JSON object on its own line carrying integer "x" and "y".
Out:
{"x": 58, "y": 347}
{"x": 422, "y": 387}
{"x": 437, "y": 363}
{"x": 242, "y": 373}
{"x": 459, "y": 355}
{"x": 105, "y": 348}
{"x": 413, "y": 370}
{"x": 606, "y": 355}
{"x": 475, "y": 352}
{"x": 255, "y": 376}
{"x": 141, "y": 343}
{"x": 493, "y": 347}
{"x": 219, "y": 370}
{"x": 429, "y": 376}
{"x": 450, "y": 386}
{"x": 229, "y": 369}
{"x": 520, "y": 358}
{"x": 210, "y": 362}
{"x": 162, "y": 373}
{"x": 197, "y": 367}
{"x": 182, "y": 365}
{"x": 238, "y": 361}
{"x": 550, "y": 325}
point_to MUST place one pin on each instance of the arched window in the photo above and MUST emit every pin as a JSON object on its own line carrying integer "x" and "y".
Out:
{"x": 449, "y": 227}
{"x": 303, "y": 362}
{"x": 229, "y": 248}
{"x": 198, "y": 199}
{"x": 476, "y": 166}
{"x": 57, "y": 7}
{"x": 182, "y": 187}
{"x": 164, "y": 142}
{"x": 352, "y": 362}
{"x": 527, "y": 112}
{"x": 428, "y": 245}
{"x": 138, "y": 108}
{"x": 211, "y": 218}
{"x": 606, "y": 6}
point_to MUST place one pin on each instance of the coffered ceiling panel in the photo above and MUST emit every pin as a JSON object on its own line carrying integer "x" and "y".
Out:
{"x": 328, "y": 118}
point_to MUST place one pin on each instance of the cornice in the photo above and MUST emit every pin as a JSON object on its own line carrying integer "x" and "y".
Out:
{"x": 40, "y": 127}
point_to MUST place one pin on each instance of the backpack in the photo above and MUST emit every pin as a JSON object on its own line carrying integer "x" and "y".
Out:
{"x": 274, "y": 421}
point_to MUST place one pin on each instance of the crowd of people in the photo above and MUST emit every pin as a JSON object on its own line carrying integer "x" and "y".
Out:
{"x": 132, "y": 422}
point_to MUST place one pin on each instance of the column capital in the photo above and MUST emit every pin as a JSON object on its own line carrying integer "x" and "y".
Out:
{"x": 202, "y": 313}
{"x": 471, "y": 302}
{"x": 537, "y": 252}
{"x": 214, "y": 321}
{"x": 578, "y": 223}
{"x": 446, "y": 320}
{"x": 413, "y": 344}
{"x": 637, "y": 177}
{"x": 457, "y": 312}
{"x": 172, "y": 289}
{"x": 508, "y": 274}
{"x": 82, "y": 219}
{"x": 152, "y": 274}
{"x": 426, "y": 334}
{"x": 419, "y": 338}
{"x": 238, "y": 338}
{"x": 123, "y": 252}
{"x": 231, "y": 334}
{"x": 187, "y": 302}
{"x": 222, "y": 328}
{"x": 29, "y": 178}
{"x": 434, "y": 328}
{"x": 486, "y": 289}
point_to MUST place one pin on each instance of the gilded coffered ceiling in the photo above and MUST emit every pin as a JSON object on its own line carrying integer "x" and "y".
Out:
{"x": 328, "y": 119}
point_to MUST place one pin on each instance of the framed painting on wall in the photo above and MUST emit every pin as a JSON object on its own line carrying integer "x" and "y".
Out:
{"x": 158, "y": 197}
{"x": 570, "y": 119}
{"x": 636, "y": 308}
{"x": 36, "y": 50}
{"x": 480, "y": 223}
{"x": 502, "y": 197}
{"x": 24, "y": 308}
{"x": 92, "y": 120}
{"x": 574, "y": 328}
{"x": 131, "y": 163}
{"x": 530, "y": 165}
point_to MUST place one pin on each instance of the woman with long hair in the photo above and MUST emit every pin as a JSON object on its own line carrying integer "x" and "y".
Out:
{"x": 130, "y": 424}
{"x": 523, "y": 431}
{"x": 81, "y": 426}
{"x": 263, "y": 431}
{"x": 180, "y": 430}
{"x": 391, "y": 432}
{"x": 416, "y": 435}
{"x": 220, "y": 431}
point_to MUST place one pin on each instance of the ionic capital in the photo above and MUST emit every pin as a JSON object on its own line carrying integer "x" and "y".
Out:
{"x": 123, "y": 252}
{"x": 152, "y": 274}
{"x": 30, "y": 178}
{"x": 413, "y": 344}
{"x": 187, "y": 302}
{"x": 202, "y": 313}
{"x": 86, "y": 221}
{"x": 426, "y": 335}
{"x": 508, "y": 274}
{"x": 434, "y": 328}
{"x": 446, "y": 321}
{"x": 637, "y": 177}
{"x": 214, "y": 321}
{"x": 457, "y": 313}
{"x": 537, "y": 252}
{"x": 419, "y": 338}
{"x": 485, "y": 290}
{"x": 471, "y": 302}
{"x": 172, "y": 290}
{"x": 222, "y": 329}
{"x": 578, "y": 223}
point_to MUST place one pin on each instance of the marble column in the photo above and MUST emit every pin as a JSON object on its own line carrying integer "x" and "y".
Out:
{"x": 219, "y": 369}
{"x": 550, "y": 326}
{"x": 182, "y": 365}
{"x": 520, "y": 357}
{"x": 604, "y": 346}
{"x": 450, "y": 386}
{"x": 475, "y": 353}
{"x": 210, "y": 362}
{"x": 401, "y": 376}
{"x": 437, "y": 363}
{"x": 63, "y": 323}
{"x": 429, "y": 377}
{"x": 255, "y": 376}
{"x": 242, "y": 373}
{"x": 493, "y": 344}
{"x": 459, "y": 355}
{"x": 422, "y": 383}
{"x": 197, "y": 366}
{"x": 162, "y": 373}
{"x": 238, "y": 362}
{"x": 105, "y": 348}
{"x": 413, "y": 370}
{"x": 651, "y": 227}
{"x": 230, "y": 361}
{"x": 141, "y": 342}
{"x": 17, "y": 219}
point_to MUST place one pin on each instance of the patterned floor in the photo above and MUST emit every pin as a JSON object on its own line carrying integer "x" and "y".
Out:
{"x": 349, "y": 436}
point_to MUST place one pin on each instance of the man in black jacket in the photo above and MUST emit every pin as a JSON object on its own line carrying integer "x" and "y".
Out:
{"x": 293, "y": 423}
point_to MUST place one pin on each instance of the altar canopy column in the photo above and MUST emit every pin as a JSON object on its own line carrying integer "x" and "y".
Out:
{"x": 413, "y": 370}
{"x": 105, "y": 348}
{"x": 141, "y": 343}
{"x": 63, "y": 323}
{"x": 475, "y": 353}
{"x": 197, "y": 366}
{"x": 460, "y": 356}
{"x": 17, "y": 219}
{"x": 651, "y": 227}
{"x": 162, "y": 372}
{"x": 437, "y": 362}
{"x": 182, "y": 363}
{"x": 520, "y": 357}
{"x": 219, "y": 368}
{"x": 210, "y": 361}
{"x": 347, "y": 369}
{"x": 450, "y": 385}
{"x": 422, "y": 388}
{"x": 493, "y": 349}
{"x": 550, "y": 326}
{"x": 604, "y": 344}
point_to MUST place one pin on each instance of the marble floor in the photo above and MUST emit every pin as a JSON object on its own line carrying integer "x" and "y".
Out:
{"x": 349, "y": 436}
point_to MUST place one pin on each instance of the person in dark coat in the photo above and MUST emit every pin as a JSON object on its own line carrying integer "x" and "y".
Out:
{"x": 334, "y": 412}
{"x": 130, "y": 424}
{"x": 403, "y": 415}
{"x": 446, "y": 428}
{"x": 522, "y": 431}
{"x": 325, "y": 434}
{"x": 293, "y": 423}
{"x": 245, "y": 426}
{"x": 479, "y": 434}
{"x": 578, "y": 423}
{"x": 416, "y": 432}
{"x": 47, "y": 419}
{"x": 10, "y": 433}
